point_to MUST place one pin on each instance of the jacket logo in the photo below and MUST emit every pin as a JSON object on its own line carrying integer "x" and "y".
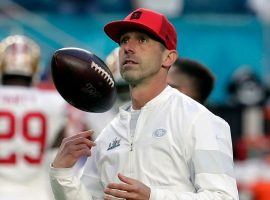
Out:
{"x": 113, "y": 144}
{"x": 160, "y": 132}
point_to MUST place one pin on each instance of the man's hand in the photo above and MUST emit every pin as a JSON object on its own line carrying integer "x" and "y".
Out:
{"x": 72, "y": 148}
{"x": 130, "y": 189}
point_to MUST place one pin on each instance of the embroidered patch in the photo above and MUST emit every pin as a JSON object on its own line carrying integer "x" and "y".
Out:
{"x": 160, "y": 132}
{"x": 136, "y": 15}
{"x": 114, "y": 143}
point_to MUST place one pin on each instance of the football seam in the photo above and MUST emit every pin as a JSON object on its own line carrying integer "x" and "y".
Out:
{"x": 100, "y": 71}
{"x": 103, "y": 73}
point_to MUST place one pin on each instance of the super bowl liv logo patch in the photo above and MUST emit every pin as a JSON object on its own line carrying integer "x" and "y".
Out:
{"x": 160, "y": 132}
{"x": 115, "y": 143}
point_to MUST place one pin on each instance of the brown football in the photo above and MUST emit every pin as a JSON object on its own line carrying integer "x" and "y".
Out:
{"x": 83, "y": 80}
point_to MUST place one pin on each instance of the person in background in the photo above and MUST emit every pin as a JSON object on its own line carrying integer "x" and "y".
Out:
{"x": 122, "y": 86}
{"x": 191, "y": 78}
{"x": 30, "y": 122}
{"x": 97, "y": 121}
{"x": 161, "y": 145}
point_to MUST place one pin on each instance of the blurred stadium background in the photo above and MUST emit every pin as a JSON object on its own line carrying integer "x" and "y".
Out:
{"x": 222, "y": 34}
{"x": 231, "y": 37}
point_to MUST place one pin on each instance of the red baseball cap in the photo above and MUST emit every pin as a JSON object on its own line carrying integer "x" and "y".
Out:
{"x": 154, "y": 23}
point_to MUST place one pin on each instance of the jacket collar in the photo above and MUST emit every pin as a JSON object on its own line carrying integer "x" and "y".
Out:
{"x": 163, "y": 96}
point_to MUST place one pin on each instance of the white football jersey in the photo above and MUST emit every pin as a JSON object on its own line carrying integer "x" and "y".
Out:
{"x": 30, "y": 121}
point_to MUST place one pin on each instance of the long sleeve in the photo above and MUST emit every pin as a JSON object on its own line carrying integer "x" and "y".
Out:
{"x": 66, "y": 185}
{"x": 69, "y": 184}
{"x": 210, "y": 162}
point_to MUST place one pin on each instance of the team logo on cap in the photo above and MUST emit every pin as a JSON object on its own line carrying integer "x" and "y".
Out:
{"x": 136, "y": 15}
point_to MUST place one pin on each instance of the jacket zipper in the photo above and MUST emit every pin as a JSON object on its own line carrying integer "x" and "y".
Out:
{"x": 131, "y": 157}
{"x": 131, "y": 149}
{"x": 131, "y": 146}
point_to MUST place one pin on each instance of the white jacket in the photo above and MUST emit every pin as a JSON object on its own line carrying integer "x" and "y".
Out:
{"x": 179, "y": 149}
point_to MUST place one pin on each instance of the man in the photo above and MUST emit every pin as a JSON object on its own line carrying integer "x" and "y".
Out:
{"x": 30, "y": 121}
{"x": 191, "y": 78}
{"x": 161, "y": 146}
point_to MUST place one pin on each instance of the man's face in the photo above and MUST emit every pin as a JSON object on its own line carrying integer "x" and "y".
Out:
{"x": 140, "y": 57}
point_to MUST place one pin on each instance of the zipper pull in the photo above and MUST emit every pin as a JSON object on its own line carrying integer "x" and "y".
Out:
{"x": 131, "y": 146}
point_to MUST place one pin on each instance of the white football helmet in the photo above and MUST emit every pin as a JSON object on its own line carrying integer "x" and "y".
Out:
{"x": 19, "y": 55}
{"x": 112, "y": 61}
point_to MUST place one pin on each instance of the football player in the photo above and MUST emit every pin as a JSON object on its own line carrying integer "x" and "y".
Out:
{"x": 30, "y": 122}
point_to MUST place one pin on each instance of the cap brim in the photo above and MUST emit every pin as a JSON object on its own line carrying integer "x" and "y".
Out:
{"x": 115, "y": 29}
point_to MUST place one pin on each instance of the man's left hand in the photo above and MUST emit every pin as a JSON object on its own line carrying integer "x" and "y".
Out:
{"x": 130, "y": 189}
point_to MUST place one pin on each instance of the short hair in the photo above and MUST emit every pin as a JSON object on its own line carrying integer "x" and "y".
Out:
{"x": 203, "y": 79}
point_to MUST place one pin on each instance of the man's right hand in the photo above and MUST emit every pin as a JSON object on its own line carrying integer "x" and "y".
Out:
{"x": 72, "y": 148}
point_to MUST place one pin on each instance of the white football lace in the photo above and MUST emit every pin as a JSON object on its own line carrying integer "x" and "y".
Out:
{"x": 103, "y": 73}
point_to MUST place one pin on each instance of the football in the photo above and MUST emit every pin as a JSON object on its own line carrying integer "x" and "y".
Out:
{"x": 83, "y": 80}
